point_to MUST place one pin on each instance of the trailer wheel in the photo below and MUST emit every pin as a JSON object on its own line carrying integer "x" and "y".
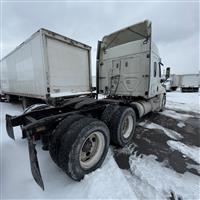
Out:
{"x": 122, "y": 126}
{"x": 83, "y": 147}
{"x": 55, "y": 140}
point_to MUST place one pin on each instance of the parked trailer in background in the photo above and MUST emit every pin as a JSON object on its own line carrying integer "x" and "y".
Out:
{"x": 190, "y": 83}
{"x": 175, "y": 81}
{"x": 78, "y": 132}
{"x": 46, "y": 67}
{"x": 172, "y": 83}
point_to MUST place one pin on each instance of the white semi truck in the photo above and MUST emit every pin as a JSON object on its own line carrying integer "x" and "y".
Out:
{"x": 78, "y": 132}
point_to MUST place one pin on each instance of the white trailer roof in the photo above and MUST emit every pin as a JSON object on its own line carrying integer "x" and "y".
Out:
{"x": 55, "y": 36}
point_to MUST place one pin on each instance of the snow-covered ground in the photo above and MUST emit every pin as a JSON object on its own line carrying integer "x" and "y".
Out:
{"x": 17, "y": 181}
{"x": 147, "y": 178}
{"x": 183, "y": 101}
{"x": 161, "y": 181}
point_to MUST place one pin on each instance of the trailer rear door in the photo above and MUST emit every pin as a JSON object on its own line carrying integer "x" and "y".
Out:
{"x": 69, "y": 68}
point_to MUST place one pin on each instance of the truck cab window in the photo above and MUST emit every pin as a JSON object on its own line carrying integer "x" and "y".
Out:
{"x": 155, "y": 68}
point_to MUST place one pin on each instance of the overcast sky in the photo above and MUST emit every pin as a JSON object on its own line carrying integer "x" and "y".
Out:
{"x": 175, "y": 26}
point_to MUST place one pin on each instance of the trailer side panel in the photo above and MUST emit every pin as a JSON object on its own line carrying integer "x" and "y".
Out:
{"x": 23, "y": 71}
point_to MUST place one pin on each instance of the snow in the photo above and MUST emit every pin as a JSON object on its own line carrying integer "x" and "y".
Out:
{"x": 144, "y": 190}
{"x": 106, "y": 182}
{"x": 171, "y": 133}
{"x": 192, "y": 152}
{"x": 175, "y": 115}
{"x": 180, "y": 124}
{"x": 183, "y": 101}
{"x": 155, "y": 181}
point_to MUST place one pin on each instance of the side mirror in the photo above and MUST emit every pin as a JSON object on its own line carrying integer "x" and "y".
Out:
{"x": 94, "y": 88}
{"x": 167, "y": 75}
{"x": 162, "y": 80}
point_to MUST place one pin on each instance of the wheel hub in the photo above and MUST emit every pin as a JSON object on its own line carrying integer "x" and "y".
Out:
{"x": 127, "y": 126}
{"x": 92, "y": 150}
{"x": 87, "y": 146}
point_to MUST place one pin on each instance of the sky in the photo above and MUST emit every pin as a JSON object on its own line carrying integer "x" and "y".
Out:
{"x": 175, "y": 25}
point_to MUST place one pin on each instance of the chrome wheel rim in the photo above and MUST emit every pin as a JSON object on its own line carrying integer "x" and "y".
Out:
{"x": 127, "y": 126}
{"x": 92, "y": 150}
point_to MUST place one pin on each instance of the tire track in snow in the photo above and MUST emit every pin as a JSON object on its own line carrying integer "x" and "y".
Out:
{"x": 171, "y": 133}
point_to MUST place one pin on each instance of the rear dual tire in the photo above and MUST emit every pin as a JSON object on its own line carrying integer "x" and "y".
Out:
{"x": 82, "y": 146}
{"x": 59, "y": 131}
{"x": 121, "y": 121}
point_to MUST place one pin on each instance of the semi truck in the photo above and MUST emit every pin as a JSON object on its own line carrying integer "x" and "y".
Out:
{"x": 43, "y": 68}
{"x": 77, "y": 133}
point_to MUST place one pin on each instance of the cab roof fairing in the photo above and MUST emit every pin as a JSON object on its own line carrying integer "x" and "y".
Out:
{"x": 135, "y": 32}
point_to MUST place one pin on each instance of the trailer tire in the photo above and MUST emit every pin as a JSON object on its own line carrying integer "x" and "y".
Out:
{"x": 55, "y": 141}
{"x": 75, "y": 157}
{"x": 122, "y": 126}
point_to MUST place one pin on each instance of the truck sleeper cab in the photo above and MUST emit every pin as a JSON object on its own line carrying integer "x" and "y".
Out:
{"x": 78, "y": 132}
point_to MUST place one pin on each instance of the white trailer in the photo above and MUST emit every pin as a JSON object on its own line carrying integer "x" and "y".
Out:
{"x": 175, "y": 81}
{"x": 190, "y": 83}
{"x": 47, "y": 66}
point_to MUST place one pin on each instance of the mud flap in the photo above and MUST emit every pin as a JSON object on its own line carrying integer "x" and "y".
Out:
{"x": 35, "y": 169}
{"x": 9, "y": 127}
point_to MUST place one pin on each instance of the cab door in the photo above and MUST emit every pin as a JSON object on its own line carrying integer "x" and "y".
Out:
{"x": 115, "y": 76}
